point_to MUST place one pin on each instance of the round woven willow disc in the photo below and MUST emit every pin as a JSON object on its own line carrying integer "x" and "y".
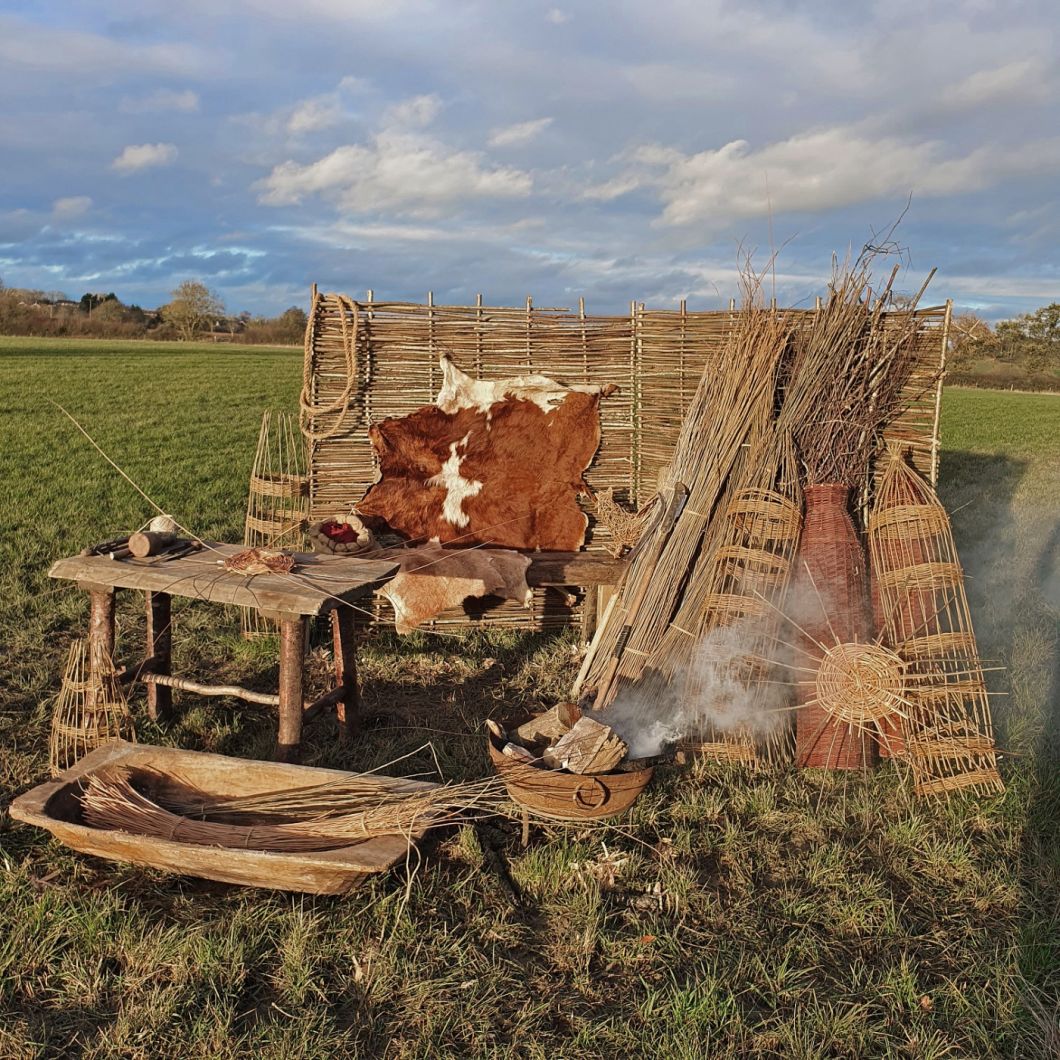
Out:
{"x": 860, "y": 683}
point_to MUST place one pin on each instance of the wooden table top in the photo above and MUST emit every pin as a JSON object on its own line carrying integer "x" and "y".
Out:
{"x": 316, "y": 585}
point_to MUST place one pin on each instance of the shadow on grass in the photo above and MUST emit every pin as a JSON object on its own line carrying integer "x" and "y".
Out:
{"x": 1011, "y": 553}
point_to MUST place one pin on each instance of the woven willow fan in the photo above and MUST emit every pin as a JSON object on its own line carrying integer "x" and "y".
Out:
{"x": 90, "y": 710}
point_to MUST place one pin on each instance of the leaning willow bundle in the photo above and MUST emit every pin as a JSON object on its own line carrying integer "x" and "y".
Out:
{"x": 91, "y": 709}
{"x": 328, "y": 820}
{"x": 926, "y": 620}
{"x": 734, "y": 393}
{"x": 849, "y": 377}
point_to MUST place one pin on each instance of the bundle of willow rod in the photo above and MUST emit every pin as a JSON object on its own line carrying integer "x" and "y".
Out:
{"x": 948, "y": 732}
{"x": 277, "y": 500}
{"x": 111, "y": 800}
{"x": 734, "y": 395}
{"x": 91, "y": 708}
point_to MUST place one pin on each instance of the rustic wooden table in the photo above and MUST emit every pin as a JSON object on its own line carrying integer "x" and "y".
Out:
{"x": 318, "y": 585}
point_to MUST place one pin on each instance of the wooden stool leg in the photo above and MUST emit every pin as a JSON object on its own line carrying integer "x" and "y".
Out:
{"x": 100, "y": 628}
{"x": 344, "y": 638}
{"x": 160, "y": 649}
{"x": 292, "y": 661}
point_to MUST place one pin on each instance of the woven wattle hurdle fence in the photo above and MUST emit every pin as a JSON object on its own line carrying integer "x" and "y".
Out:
{"x": 656, "y": 357}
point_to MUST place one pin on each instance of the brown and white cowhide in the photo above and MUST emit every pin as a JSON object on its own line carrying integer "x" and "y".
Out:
{"x": 432, "y": 579}
{"x": 491, "y": 462}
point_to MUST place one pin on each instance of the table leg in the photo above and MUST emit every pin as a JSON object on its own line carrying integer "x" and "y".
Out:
{"x": 160, "y": 649}
{"x": 100, "y": 628}
{"x": 344, "y": 638}
{"x": 292, "y": 660}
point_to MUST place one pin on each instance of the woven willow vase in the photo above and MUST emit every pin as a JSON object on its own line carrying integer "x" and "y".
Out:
{"x": 831, "y": 606}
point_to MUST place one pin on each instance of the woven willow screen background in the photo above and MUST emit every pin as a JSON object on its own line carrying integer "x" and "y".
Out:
{"x": 654, "y": 356}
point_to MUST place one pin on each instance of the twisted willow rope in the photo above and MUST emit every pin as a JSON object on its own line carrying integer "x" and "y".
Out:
{"x": 308, "y": 412}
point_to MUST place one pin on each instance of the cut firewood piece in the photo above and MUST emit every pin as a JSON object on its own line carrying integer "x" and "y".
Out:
{"x": 589, "y": 747}
{"x": 496, "y": 729}
{"x": 547, "y": 728}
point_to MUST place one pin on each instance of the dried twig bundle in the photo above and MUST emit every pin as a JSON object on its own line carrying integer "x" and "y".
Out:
{"x": 91, "y": 709}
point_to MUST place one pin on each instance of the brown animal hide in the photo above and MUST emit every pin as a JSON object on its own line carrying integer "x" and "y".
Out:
{"x": 497, "y": 463}
{"x": 432, "y": 579}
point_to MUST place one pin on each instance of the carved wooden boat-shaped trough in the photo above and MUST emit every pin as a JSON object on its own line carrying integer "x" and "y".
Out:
{"x": 56, "y": 806}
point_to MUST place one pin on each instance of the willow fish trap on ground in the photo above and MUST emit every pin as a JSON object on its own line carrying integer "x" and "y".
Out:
{"x": 947, "y": 730}
{"x": 91, "y": 709}
{"x": 278, "y": 498}
{"x": 366, "y": 360}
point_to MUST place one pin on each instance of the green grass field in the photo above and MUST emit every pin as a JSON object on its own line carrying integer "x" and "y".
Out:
{"x": 785, "y": 914}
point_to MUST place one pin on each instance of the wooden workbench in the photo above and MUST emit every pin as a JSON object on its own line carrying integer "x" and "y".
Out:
{"x": 318, "y": 585}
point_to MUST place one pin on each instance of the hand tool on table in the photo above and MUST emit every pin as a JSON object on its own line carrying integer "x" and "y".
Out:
{"x": 103, "y": 548}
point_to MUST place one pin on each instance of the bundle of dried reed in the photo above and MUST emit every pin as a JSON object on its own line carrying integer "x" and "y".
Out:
{"x": 90, "y": 710}
{"x": 926, "y": 619}
{"x": 111, "y": 800}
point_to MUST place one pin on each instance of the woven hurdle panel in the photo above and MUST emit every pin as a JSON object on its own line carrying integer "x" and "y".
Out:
{"x": 655, "y": 357}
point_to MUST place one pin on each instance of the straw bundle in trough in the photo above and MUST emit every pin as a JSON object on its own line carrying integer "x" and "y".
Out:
{"x": 926, "y": 619}
{"x": 90, "y": 710}
{"x": 320, "y": 818}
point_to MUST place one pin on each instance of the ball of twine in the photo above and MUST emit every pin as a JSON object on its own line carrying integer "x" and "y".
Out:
{"x": 860, "y": 683}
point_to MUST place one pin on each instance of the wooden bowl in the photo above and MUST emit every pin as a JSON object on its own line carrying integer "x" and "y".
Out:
{"x": 56, "y": 806}
{"x": 567, "y": 796}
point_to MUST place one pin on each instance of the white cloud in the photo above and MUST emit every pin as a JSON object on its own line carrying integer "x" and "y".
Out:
{"x": 136, "y": 157}
{"x": 1024, "y": 79}
{"x": 815, "y": 171}
{"x": 71, "y": 206}
{"x": 311, "y": 115}
{"x": 557, "y": 16}
{"x": 417, "y": 112}
{"x": 405, "y": 172}
{"x": 519, "y": 133}
{"x": 186, "y": 102}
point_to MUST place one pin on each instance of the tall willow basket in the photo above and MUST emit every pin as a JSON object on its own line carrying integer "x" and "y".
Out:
{"x": 926, "y": 619}
{"x": 278, "y": 498}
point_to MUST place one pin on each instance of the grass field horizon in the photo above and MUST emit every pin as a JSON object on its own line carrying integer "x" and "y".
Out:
{"x": 776, "y": 914}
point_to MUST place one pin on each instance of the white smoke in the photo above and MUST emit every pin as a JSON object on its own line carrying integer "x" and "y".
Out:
{"x": 726, "y": 687}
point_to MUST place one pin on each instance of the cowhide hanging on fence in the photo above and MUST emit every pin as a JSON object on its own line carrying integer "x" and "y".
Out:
{"x": 490, "y": 462}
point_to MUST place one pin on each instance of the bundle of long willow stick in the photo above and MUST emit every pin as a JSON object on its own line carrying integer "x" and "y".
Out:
{"x": 735, "y": 394}
{"x": 110, "y": 800}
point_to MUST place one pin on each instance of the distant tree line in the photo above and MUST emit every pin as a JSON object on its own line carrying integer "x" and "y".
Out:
{"x": 194, "y": 312}
{"x": 1021, "y": 351}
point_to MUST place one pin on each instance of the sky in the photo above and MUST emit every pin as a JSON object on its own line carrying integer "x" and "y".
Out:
{"x": 616, "y": 151}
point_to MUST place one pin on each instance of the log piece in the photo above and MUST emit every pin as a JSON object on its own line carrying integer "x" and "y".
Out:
{"x": 588, "y": 748}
